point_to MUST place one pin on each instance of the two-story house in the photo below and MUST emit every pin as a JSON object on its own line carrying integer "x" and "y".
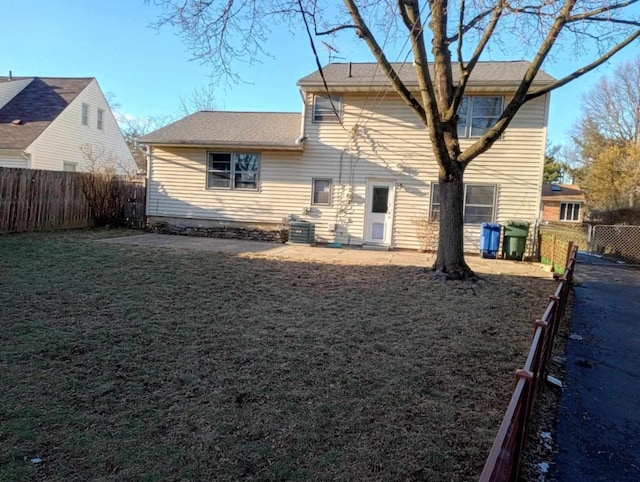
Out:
{"x": 356, "y": 162}
{"x": 45, "y": 121}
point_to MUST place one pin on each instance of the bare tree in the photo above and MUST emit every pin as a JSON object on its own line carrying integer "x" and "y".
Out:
{"x": 136, "y": 127}
{"x": 458, "y": 34}
{"x": 202, "y": 98}
{"x": 612, "y": 106}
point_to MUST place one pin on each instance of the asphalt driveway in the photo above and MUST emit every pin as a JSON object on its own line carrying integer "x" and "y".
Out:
{"x": 598, "y": 430}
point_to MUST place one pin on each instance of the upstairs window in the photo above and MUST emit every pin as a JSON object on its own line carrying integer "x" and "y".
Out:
{"x": 233, "y": 171}
{"x": 85, "y": 114}
{"x": 478, "y": 114}
{"x": 570, "y": 212}
{"x": 100, "y": 123}
{"x": 479, "y": 203}
{"x": 323, "y": 111}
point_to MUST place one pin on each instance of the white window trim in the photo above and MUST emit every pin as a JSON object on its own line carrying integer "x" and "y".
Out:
{"x": 573, "y": 204}
{"x": 231, "y": 172}
{"x": 337, "y": 102}
{"x": 467, "y": 129}
{"x": 464, "y": 202}
{"x": 313, "y": 190}
{"x": 100, "y": 119}
{"x": 85, "y": 119}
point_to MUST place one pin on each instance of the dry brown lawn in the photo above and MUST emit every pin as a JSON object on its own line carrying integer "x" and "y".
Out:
{"x": 130, "y": 363}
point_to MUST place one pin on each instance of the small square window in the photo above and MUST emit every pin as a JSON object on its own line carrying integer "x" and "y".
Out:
{"x": 325, "y": 108}
{"x": 85, "y": 114}
{"x": 321, "y": 192}
{"x": 100, "y": 119}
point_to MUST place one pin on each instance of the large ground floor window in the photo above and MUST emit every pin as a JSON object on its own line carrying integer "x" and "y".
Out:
{"x": 479, "y": 203}
{"x": 233, "y": 170}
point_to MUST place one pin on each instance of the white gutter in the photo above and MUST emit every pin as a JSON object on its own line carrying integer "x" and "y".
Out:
{"x": 302, "y": 137}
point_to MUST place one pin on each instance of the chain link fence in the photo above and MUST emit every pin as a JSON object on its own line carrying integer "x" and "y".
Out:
{"x": 598, "y": 244}
{"x": 613, "y": 244}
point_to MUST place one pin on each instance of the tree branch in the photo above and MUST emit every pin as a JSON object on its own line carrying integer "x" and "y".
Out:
{"x": 465, "y": 71}
{"x": 333, "y": 30}
{"x": 565, "y": 80}
{"x": 487, "y": 140}
{"x": 598, "y": 11}
{"x": 364, "y": 33}
{"x": 472, "y": 23}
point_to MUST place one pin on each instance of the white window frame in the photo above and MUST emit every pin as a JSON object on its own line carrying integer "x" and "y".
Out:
{"x": 85, "y": 115}
{"x": 232, "y": 172}
{"x": 328, "y": 116}
{"x": 66, "y": 165}
{"x": 469, "y": 117}
{"x": 434, "y": 214}
{"x": 573, "y": 211}
{"x": 313, "y": 191}
{"x": 100, "y": 119}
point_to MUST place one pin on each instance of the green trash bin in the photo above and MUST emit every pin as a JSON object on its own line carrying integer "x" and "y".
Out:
{"x": 515, "y": 239}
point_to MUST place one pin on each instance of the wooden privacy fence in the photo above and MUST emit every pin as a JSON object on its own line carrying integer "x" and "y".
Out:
{"x": 32, "y": 200}
{"x": 555, "y": 251}
{"x": 503, "y": 461}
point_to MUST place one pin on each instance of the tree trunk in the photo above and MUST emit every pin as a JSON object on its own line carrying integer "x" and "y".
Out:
{"x": 450, "y": 257}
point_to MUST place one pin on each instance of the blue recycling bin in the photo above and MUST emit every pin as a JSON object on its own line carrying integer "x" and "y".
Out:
{"x": 489, "y": 240}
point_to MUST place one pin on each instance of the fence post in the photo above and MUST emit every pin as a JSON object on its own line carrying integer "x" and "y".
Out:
{"x": 553, "y": 250}
{"x": 568, "y": 257}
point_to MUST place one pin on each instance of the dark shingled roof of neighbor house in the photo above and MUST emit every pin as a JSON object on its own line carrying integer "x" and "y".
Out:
{"x": 365, "y": 74}
{"x": 231, "y": 129}
{"x": 35, "y": 107}
{"x": 562, "y": 192}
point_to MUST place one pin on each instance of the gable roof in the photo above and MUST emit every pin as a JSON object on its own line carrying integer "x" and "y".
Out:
{"x": 370, "y": 74}
{"x": 566, "y": 192}
{"x": 36, "y": 106}
{"x": 269, "y": 130}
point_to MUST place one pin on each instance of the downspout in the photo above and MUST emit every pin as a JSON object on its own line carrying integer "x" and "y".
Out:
{"x": 148, "y": 178}
{"x": 302, "y": 137}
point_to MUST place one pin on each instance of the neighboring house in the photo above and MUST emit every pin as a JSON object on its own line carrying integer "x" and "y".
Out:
{"x": 562, "y": 203}
{"x": 44, "y": 122}
{"x": 364, "y": 177}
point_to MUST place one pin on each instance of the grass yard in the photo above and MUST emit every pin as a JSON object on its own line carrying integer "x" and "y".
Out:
{"x": 130, "y": 363}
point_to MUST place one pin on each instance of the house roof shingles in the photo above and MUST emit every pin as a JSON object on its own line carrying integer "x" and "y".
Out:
{"x": 36, "y": 106}
{"x": 228, "y": 129}
{"x": 567, "y": 192}
{"x": 365, "y": 74}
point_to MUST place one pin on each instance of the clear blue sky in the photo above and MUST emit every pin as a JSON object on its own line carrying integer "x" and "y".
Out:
{"x": 148, "y": 71}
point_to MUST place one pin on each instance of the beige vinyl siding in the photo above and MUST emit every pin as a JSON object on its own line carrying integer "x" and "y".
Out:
{"x": 9, "y": 89}
{"x": 389, "y": 144}
{"x": 13, "y": 159}
{"x": 61, "y": 140}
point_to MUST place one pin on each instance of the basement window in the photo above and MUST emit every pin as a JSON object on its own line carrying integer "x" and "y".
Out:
{"x": 237, "y": 171}
{"x": 478, "y": 114}
{"x": 569, "y": 211}
{"x": 479, "y": 203}
{"x": 323, "y": 109}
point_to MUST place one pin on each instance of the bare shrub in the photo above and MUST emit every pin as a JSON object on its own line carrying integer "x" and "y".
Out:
{"x": 105, "y": 189}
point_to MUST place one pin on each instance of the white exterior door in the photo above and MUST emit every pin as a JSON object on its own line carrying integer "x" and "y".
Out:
{"x": 378, "y": 217}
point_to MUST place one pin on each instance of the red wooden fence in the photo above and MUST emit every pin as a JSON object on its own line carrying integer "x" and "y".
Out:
{"x": 503, "y": 462}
